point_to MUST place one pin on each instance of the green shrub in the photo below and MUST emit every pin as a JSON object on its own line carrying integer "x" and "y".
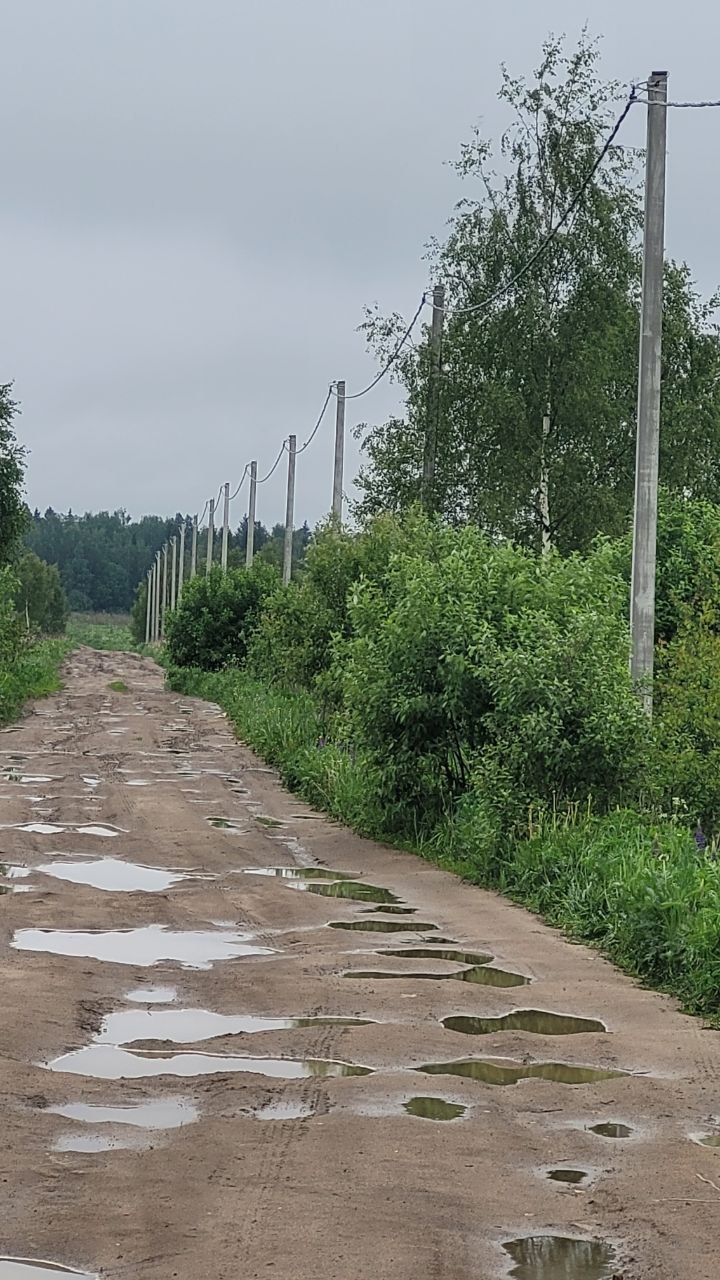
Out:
{"x": 217, "y": 617}
{"x": 687, "y": 726}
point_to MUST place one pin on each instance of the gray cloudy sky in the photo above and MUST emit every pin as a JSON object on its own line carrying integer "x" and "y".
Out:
{"x": 199, "y": 196}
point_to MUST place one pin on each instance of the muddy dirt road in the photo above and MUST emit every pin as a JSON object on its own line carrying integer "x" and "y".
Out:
{"x": 200, "y": 1076}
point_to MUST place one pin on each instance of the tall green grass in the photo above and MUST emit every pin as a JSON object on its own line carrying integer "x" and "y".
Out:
{"x": 101, "y": 631}
{"x": 630, "y": 884}
{"x": 35, "y": 673}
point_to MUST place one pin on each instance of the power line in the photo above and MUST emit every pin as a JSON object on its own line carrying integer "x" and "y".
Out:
{"x": 500, "y": 293}
{"x": 316, "y": 428}
{"x": 202, "y": 517}
{"x": 242, "y": 481}
{"x": 396, "y": 352}
{"x": 275, "y": 464}
{"x": 695, "y": 106}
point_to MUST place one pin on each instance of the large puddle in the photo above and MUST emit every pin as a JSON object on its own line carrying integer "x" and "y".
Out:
{"x": 383, "y": 926}
{"x": 193, "y": 949}
{"x": 110, "y": 1062}
{"x": 537, "y": 1021}
{"x": 477, "y": 973}
{"x": 29, "y": 1269}
{"x": 560, "y": 1258}
{"x": 113, "y": 875}
{"x": 500, "y": 1073}
{"x": 161, "y": 1113}
{"x": 191, "y": 1026}
{"x": 434, "y": 1109}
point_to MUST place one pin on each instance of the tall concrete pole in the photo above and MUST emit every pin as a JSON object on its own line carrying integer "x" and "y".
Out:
{"x": 211, "y": 537}
{"x": 250, "y": 543}
{"x": 337, "y": 497}
{"x": 225, "y": 528}
{"x": 642, "y": 590}
{"x": 193, "y": 549}
{"x": 545, "y": 489}
{"x": 181, "y": 565}
{"x": 148, "y": 607}
{"x": 156, "y": 619}
{"x": 163, "y": 616}
{"x": 173, "y": 577}
{"x": 432, "y": 424}
{"x": 289, "y": 513}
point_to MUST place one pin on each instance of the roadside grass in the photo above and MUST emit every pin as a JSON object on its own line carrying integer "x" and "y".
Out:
{"x": 33, "y": 674}
{"x": 632, "y": 884}
{"x": 101, "y": 631}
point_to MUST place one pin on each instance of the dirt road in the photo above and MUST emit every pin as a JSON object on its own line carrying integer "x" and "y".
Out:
{"x": 166, "y": 1115}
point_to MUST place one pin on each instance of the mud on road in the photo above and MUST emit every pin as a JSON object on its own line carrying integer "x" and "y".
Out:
{"x": 200, "y": 1077}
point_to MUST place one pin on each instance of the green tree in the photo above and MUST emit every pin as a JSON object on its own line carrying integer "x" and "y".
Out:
{"x": 39, "y": 597}
{"x": 13, "y": 512}
{"x": 562, "y": 341}
{"x": 218, "y": 615}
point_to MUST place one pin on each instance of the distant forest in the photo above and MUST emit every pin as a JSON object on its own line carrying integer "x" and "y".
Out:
{"x": 102, "y": 556}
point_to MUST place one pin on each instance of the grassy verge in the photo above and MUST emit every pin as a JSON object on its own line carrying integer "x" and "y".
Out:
{"x": 34, "y": 674}
{"x": 101, "y": 631}
{"x": 634, "y": 886}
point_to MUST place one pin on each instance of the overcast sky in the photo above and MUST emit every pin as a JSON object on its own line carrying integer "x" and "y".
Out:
{"x": 200, "y": 196}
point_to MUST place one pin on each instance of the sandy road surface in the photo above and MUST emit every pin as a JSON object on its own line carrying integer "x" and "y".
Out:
{"x": 245, "y": 1173}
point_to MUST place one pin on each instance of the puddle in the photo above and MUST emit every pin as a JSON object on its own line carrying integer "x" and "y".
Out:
{"x": 535, "y": 1020}
{"x": 162, "y": 1113}
{"x": 350, "y": 889}
{"x": 86, "y": 1143}
{"x": 440, "y": 953}
{"x": 560, "y": 1258}
{"x": 711, "y": 1140}
{"x": 395, "y": 911}
{"x": 299, "y": 873}
{"x": 108, "y": 832}
{"x": 36, "y": 828}
{"x": 382, "y": 926}
{"x": 152, "y": 995}
{"x": 478, "y": 973}
{"x": 110, "y": 1062}
{"x": 499, "y": 1073}
{"x": 138, "y": 782}
{"x": 226, "y": 824}
{"x": 143, "y": 947}
{"x": 571, "y": 1176}
{"x": 190, "y": 1026}
{"x": 113, "y": 875}
{"x": 434, "y": 1109}
{"x": 30, "y": 1269}
{"x": 611, "y": 1129}
{"x": 264, "y": 821}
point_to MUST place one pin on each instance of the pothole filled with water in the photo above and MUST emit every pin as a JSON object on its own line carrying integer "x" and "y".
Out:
{"x": 226, "y": 824}
{"x": 535, "y": 1020}
{"x": 191, "y": 1026}
{"x": 114, "y": 875}
{"x": 160, "y": 1113}
{"x": 709, "y": 1140}
{"x": 573, "y": 1177}
{"x": 382, "y": 926}
{"x": 480, "y": 973}
{"x": 394, "y": 911}
{"x": 87, "y": 1143}
{"x": 30, "y": 1269}
{"x": 300, "y": 873}
{"x": 111, "y": 1062}
{"x": 452, "y": 954}
{"x": 560, "y": 1258}
{"x": 350, "y": 889}
{"x": 434, "y": 1109}
{"x": 193, "y": 949}
{"x": 611, "y": 1129}
{"x": 506, "y": 1073}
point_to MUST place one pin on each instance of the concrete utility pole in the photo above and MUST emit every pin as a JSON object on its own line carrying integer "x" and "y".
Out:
{"x": 225, "y": 528}
{"x": 164, "y": 591}
{"x": 173, "y": 578}
{"x": 181, "y": 567}
{"x": 250, "y": 542}
{"x": 156, "y": 621}
{"x": 193, "y": 550}
{"x": 289, "y": 513}
{"x": 337, "y": 497}
{"x": 642, "y": 591}
{"x": 432, "y": 424}
{"x": 211, "y": 537}
{"x": 148, "y": 607}
{"x": 545, "y": 489}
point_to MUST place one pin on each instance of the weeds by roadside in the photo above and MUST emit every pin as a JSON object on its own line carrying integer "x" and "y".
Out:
{"x": 33, "y": 673}
{"x": 101, "y": 631}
